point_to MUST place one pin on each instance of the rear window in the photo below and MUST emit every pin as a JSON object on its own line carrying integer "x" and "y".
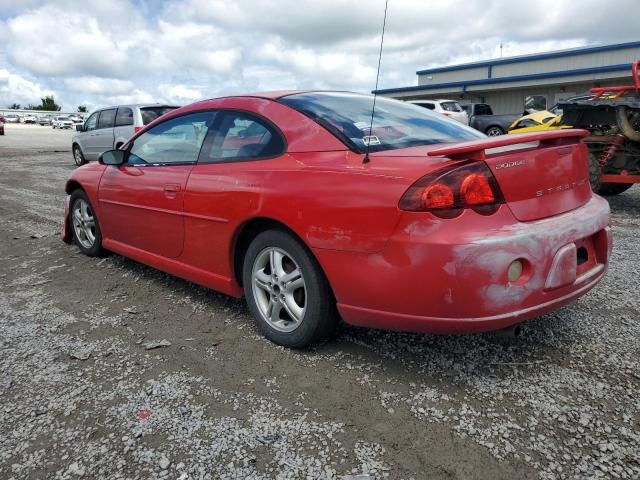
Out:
{"x": 149, "y": 114}
{"x": 483, "y": 109}
{"x": 451, "y": 106}
{"x": 396, "y": 124}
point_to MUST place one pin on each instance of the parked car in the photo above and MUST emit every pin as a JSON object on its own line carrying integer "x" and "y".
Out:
{"x": 62, "y": 121}
{"x": 448, "y": 108}
{"x": 76, "y": 119}
{"x": 537, "y": 122}
{"x": 111, "y": 127}
{"x": 481, "y": 118}
{"x": 12, "y": 118}
{"x": 293, "y": 201}
{"x": 1, "y": 125}
{"x": 30, "y": 118}
{"x": 44, "y": 119}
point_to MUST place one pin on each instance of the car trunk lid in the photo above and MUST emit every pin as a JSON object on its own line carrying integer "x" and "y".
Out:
{"x": 540, "y": 174}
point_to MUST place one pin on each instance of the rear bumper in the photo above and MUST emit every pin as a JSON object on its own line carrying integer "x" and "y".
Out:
{"x": 451, "y": 276}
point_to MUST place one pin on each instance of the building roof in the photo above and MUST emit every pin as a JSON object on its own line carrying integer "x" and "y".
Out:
{"x": 496, "y": 80}
{"x": 530, "y": 57}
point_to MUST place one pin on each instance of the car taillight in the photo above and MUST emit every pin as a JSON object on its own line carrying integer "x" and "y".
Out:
{"x": 449, "y": 190}
{"x": 136, "y": 129}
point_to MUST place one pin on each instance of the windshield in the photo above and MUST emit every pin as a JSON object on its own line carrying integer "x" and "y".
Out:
{"x": 395, "y": 124}
{"x": 63, "y": 118}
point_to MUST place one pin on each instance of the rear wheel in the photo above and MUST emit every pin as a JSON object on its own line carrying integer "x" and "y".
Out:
{"x": 78, "y": 157}
{"x": 85, "y": 226}
{"x": 609, "y": 189}
{"x": 494, "y": 131}
{"x": 286, "y": 291}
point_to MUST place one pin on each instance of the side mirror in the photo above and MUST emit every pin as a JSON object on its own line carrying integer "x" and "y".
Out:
{"x": 112, "y": 157}
{"x": 80, "y": 128}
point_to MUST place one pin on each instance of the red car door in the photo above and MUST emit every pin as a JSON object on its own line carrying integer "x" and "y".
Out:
{"x": 240, "y": 150}
{"x": 142, "y": 201}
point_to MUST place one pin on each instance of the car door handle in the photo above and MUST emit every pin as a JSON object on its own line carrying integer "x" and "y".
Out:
{"x": 172, "y": 187}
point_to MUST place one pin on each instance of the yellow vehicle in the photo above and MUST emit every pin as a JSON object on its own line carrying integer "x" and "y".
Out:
{"x": 537, "y": 122}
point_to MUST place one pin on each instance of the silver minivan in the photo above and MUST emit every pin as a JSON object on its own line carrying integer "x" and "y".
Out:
{"x": 109, "y": 128}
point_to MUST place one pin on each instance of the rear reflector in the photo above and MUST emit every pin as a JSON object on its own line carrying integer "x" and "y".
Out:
{"x": 449, "y": 190}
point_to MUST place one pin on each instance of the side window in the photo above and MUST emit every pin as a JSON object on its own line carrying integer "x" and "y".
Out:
{"x": 92, "y": 122}
{"x": 124, "y": 117}
{"x": 173, "y": 141}
{"x": 429, "y": 106}
{"x": 106, "y": 118}
{"x": 242, "y": 136}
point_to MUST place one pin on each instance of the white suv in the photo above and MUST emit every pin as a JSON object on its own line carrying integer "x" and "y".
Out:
{"x": 62, "y": 121}
{"x": 449, "y": 108}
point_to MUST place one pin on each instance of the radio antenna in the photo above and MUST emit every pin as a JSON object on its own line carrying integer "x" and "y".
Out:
{"x": 375, "y": 92}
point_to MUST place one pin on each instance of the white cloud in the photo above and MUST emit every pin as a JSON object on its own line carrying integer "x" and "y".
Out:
{"x": 103, "y": 51}
{"x": 99, "y": 86}
{"x": 16, "y": 89}
{"x": 178, "y": 93}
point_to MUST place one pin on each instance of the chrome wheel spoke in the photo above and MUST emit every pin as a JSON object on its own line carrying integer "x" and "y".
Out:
{"x": 295, "y": 284}
{"x": 275, "y": 259}
{"x": 274, "y": 310}
{"x": 294, "y": 275}
{"x": 292, "y": 308}
{"x": 262, "y": 280}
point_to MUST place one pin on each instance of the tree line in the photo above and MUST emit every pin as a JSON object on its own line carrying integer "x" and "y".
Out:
{"x": 47, "y": 103}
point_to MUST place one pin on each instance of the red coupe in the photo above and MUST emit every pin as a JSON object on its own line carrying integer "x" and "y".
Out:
{"x": 295, "y": 201}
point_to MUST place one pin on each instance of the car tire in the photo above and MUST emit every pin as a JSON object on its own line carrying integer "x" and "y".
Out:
{"x": 494, "y": 131}
{"x": 610, "y": 189}
{"x": 85, "y": 226}
{"x": 287, "y": 292}
{"x": 78, "y": 156}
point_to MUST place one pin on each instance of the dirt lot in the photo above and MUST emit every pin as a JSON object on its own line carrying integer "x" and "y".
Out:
{"x": 80, "y": 395}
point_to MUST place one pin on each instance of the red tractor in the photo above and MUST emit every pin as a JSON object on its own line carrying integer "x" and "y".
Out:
{"x": 612, "y": 116}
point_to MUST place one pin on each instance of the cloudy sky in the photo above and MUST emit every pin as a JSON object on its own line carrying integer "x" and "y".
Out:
{"x": 101, "y": 52}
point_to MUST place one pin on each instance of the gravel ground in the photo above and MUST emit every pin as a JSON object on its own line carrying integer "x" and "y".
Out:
{"x": 82, "y": 394}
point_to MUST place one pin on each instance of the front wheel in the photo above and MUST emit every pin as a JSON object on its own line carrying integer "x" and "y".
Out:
{"x": 78, "y": 157}
{"x": 605, "y": 189}
{"x": 286, "y": 291}
{"x": 86, "y": 229}
{"x": 494, "y": 131}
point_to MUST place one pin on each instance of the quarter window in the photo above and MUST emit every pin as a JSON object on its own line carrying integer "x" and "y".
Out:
{"x": 174, "y": 141}
{"x": 241, "y": 136}
{"x": 124, "y": 117}
{"x": 92, "y": 122}
{"x": 106, "y": 118}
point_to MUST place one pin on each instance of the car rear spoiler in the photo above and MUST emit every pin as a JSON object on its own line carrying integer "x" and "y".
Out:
{"x": 475, "y": 149}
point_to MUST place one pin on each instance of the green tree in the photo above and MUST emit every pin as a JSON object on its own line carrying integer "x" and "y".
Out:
{"x": 15, "y": 106}
{"x": 82, "y": 109}
{"x": 49, "y": 104}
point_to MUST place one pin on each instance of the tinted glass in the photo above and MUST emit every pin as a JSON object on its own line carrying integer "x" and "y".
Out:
{"x": 106, "y": 118}
{"x": 430, "y": 106}
{"x": 124, "y": 117}
{"x": 451, "y": 107}
{"x": 92, "y": 122}
{"x": 149, "y": 114}
{"x": 483, "y": 109}
{"x": 174, "y": 141}
{"x": 242, "y": 136}
{"x": 396, "y": 124}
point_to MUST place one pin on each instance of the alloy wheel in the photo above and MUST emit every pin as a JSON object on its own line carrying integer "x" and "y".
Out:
{"x": 84, "y": 223}
{"x": 279, "y": 289}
